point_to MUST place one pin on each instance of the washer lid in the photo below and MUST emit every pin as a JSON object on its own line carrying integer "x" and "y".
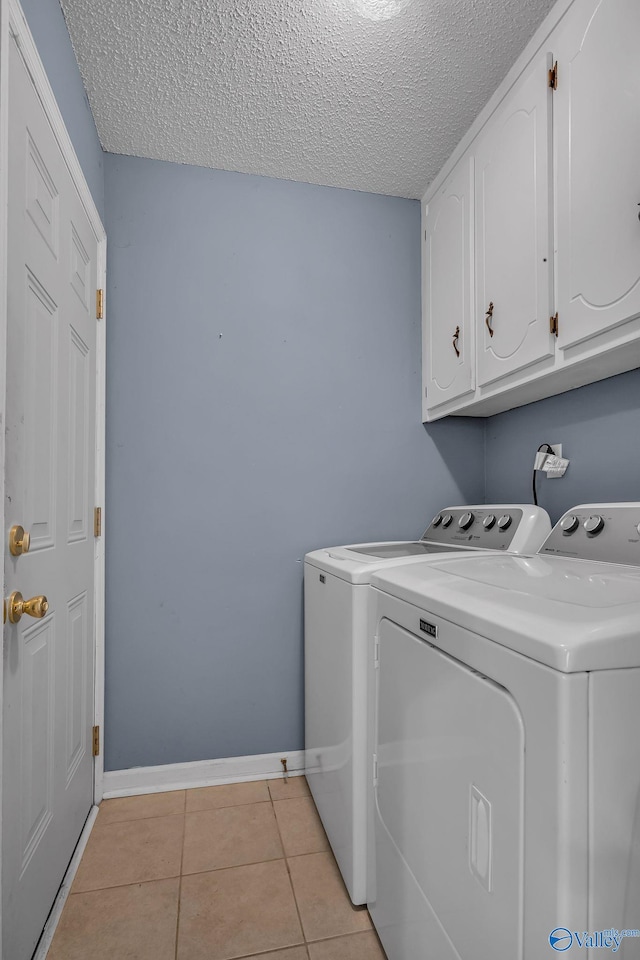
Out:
{"x": 572, "y": 615}
{"x": 357, "y": 564}
{"x": 517, "y": 528}
{"x": 381, "y": 551}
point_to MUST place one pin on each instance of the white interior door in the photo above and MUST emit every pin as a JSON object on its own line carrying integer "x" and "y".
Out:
{"x": 49, "y": 486}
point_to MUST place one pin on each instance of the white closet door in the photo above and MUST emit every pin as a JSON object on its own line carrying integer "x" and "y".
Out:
{"x": 597, "y": 137}
{"x": 513, "y": 235}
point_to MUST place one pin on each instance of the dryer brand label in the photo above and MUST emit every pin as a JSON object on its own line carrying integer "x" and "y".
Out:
{"x": 429, "y": 628}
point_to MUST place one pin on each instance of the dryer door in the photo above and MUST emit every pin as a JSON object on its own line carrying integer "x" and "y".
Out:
{"x": 448, "y": 817}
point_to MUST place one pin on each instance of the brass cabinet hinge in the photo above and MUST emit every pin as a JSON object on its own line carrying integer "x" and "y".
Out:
{"x": 553, "y": 325}
{"x": 96, "y": 741}
{"x": 553, "y": 76}
{"x": 97, "y": 521}
{"x": 99, "y": 304}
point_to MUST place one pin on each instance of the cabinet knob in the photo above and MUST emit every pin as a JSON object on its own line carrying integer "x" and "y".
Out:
{"x": 455, "y": 341}
{"x": 488, "y": 317}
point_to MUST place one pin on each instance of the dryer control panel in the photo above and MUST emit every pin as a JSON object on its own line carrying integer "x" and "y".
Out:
{"x": 607, "y": 532}
{"x": 490, "y": 527}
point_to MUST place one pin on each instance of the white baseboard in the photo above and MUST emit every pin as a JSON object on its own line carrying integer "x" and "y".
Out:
{"x": 56, "y": 911}
{"x": 200, "y": 773}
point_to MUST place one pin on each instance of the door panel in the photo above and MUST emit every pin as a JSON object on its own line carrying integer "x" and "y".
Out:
{"x": 79, "y": 454}
{"x": 79, "y": 640}
{"x": 50, "y": 479}
{"x": 513, "y": 249}
{"x": 42, "y": 197}
{"x": 447, "y": 294}
{"x": 597, "y": 133}
{"x": 37, "y": 724}
{"x": 40, "y": 415}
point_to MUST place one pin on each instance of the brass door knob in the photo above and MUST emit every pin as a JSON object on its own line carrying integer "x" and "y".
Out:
{"x": 19, "y": 540}
{"x": 16, "y": 605}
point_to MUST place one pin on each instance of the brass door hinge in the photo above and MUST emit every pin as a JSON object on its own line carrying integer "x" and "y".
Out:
{"x": 97, "y": 521}
{"x": 553, "y": 76}
{"x": 96, "y": 741}
{"x": 99, "y": 304}
{"x": 553, "y": 325}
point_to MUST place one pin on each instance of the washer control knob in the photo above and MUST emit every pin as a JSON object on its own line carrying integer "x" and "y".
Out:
{"x": 594, "y": 524}
{"x": 569, "y": 523}
{"x": 446, "y": 520}
{"x": 465, "y": 520}
{"x": 437, "y": 520}
{"x": 489, "y": 521}
{"x": 504, "y": 522}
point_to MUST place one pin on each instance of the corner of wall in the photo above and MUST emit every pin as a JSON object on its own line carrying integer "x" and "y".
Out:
{"x": 485, "y": 421}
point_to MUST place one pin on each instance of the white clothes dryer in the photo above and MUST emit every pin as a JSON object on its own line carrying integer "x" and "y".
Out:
{"x": 336, "y": 586}
{"x": 505, "y": 787}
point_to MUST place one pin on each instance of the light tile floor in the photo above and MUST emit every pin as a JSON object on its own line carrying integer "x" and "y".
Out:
{"x": 242, "y": 870}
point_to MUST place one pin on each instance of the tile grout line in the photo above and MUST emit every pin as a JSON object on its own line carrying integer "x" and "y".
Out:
{"x": 161, "y": 816}
{"x": 286, "y": 866}
{"x": 184, "y": 837}
{"x": 295, "y": 856}
{"x": 115, "y": 823}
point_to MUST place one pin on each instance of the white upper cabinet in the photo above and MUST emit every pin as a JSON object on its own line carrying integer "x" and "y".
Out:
{"x": 448, "y": 360}
{"x": 555, "y": 245}
{"x": 513, "y": 248}
{"x": 597, "y": 137}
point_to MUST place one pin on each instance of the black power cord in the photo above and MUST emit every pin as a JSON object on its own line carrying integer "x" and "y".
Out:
{"x": 547, "y": 449}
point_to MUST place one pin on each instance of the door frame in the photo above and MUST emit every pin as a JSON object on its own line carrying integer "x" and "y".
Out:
{"x": 13, "y": 24}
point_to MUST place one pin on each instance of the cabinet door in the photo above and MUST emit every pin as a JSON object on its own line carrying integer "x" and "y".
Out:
{"x": 447, "y": 334}
{"x": 513, "y": 236}
{"x": 597, "y": 136}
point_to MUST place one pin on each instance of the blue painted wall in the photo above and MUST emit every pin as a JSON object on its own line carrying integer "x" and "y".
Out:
{"x": 598, "y": 426}
{"x": 263, "y": 400}
{"x": 50, "y": 33}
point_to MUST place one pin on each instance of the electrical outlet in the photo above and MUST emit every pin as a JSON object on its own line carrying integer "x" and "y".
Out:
{"x": 553, "y": 464}
{"x": 542, "y": 456}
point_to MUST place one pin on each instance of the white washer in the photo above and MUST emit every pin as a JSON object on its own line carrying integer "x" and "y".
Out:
{"x": 336, "y": 583}
{"x": 505, "y": 787}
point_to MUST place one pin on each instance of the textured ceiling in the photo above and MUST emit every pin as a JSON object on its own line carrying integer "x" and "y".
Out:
{"x": 367, "y": 94}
